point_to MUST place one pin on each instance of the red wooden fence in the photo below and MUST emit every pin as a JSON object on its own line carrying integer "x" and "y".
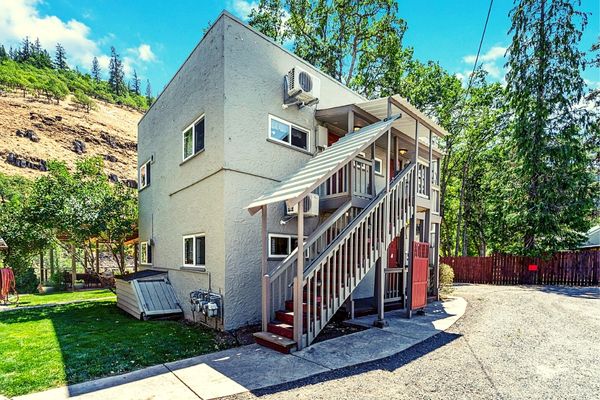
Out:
{"x": 574, "y": 269}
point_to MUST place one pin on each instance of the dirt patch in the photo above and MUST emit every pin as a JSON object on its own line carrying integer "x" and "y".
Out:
{"x": 34, "y": 131}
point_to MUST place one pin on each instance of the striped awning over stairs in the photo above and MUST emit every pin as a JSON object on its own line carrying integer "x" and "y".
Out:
{"x": 322, "y": 166}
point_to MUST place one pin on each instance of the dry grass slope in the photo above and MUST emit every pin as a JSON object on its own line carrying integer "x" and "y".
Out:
{"x": 109, "y": 131}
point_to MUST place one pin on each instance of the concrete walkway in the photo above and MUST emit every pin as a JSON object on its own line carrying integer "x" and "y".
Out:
{"x": 254, "y": 367}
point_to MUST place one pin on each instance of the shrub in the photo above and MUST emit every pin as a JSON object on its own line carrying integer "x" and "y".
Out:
{"x": 58, "y": 281}
{"x": 26, "y": 281}
{"x": 446, "y": 278}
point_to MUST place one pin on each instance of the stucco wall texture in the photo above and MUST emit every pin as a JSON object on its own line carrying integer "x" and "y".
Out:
{"x": 235, "y": 78}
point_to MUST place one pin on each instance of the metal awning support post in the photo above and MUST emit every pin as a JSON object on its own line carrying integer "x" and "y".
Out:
{"x": 413, "y": 225}
{"x": 380, "y": 322}
{"x": 299, "y": 280}
{"x": 264, "y": 270}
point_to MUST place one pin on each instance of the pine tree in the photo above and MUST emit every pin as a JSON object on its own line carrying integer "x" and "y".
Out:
{"x": 149, "y": 97}
{"x": 24, "y": 53}
{"x": 3, "y": 54}
{"x": 135, "y": 83}
{"x": 96, "y": 70}
{"x": 551, "y": 192}
{"x": 12, "y": 53}
{"x": 60, "y": 57}
{"x": 115, "y": 72}
{"x": 37, "y": 47}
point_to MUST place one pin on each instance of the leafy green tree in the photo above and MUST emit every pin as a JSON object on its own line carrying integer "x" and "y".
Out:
{"x": 83, "y": 101}
{"x": 551, "y": 201}
{"x": 60, "y": 57}
{"x": 354, "y": 42}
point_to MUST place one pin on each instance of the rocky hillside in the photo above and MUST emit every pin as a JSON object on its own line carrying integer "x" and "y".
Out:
{"x": 35, "y": 131}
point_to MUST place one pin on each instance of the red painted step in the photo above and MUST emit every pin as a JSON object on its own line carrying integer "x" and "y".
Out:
{"x": 281, "y": 329}
{"x": 289, "y": 305}
{"x": 285, "y": 316}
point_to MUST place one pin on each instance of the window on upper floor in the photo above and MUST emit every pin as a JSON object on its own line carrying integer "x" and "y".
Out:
{"x": 193, "y": 138}
{"x": 145, "y": 253}
{"x": 288, "y": 133}
{"x": 194, "y": 250}
{"x": 144, "y": 178}
{"x": 378, "y": 166}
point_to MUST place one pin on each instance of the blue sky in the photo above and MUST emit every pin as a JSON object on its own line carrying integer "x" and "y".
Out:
{"x": 155, "y": 36}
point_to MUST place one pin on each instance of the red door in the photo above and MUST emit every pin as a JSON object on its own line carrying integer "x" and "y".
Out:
{"x": 393, "y": 254}
{"x": 420, "y": 266}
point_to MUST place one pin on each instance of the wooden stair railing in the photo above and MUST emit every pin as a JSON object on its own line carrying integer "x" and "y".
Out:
{"x": 332, "y": 277}
{"x": 339, "y": 254}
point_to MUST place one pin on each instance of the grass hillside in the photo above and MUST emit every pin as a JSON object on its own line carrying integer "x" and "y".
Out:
{"x": 34, "y": 130}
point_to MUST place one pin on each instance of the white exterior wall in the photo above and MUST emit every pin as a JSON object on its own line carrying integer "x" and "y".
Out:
{"x": 234, "y": 77}
{"x": 168, "y": 210}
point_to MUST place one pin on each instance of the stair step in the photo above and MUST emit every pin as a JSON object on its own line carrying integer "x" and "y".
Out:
{"x": 289, "y": 305}
{"x": 275, "y": 342}
{"x": 281, "y": 329}
{"x": 285, "y": 316}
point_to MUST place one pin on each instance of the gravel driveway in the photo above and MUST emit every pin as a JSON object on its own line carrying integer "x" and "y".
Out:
{"x": 512, "y": 343}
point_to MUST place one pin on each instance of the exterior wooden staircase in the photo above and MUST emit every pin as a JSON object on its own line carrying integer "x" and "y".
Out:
{"x": 338, "y": 255}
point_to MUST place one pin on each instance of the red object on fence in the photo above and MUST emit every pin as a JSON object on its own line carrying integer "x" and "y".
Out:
{"x": 532, "y": 267}
{"x": 420, "y": 266}
{"x": 580, "y": 268}
{"x": 7, "y": 283}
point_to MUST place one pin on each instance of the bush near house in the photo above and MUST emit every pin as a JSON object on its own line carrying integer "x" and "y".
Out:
{"x": 446, "y": 278}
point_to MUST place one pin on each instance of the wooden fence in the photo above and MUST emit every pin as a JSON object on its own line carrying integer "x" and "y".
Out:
{"x": 574, "y": 269}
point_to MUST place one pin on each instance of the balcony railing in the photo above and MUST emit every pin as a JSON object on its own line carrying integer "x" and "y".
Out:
{"x": 355, "y": 177}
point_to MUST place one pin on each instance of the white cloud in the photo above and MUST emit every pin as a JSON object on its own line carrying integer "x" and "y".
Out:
{"x": 20, "y": 18}
{"x": 493, "y": 54}
{"x": 145, "y": 53}
{"x": 492, "y": 62}
{"x": 242, "y": 8}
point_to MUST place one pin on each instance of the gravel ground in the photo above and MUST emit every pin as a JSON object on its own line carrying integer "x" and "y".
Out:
{"x": 512, "y": 343}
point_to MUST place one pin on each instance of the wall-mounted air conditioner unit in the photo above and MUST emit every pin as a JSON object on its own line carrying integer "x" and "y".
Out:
{"x": 322, "y": 134}
{"x": 311, "y": 206}
{"x": 302, "y": 87}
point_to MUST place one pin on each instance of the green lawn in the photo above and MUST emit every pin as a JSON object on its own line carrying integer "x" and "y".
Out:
{"x": 52, "y": 346}
{"x": 40, "y": 299}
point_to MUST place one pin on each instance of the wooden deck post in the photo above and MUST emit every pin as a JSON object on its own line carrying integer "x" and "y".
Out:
{"x": 380, "y": 322}
{"x": 413, "y": 225}
{"x": 264, "y": 270}
{"x": 136, "y": 254}
{"x": 299, "y": 280}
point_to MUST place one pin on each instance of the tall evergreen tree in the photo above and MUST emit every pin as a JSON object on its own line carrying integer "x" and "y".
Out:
{"x": 115, "y": 73}
{"x": 24, "y": 53}
{"x": 96, "y": 72}
{"x": 135, "y": 83}
{"x": 60, "y": 57}
{"x": 149, "y": 97}
{"x": 551, "y": 185}
{"x": 3, "y": 53}
{"x": 12, "y": 53}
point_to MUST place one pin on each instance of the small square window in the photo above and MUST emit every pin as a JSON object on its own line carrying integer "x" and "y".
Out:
{"x": 194, "y": 251}
{"x": 193, "y": 138}
{"x": 288, "y": 133}
{"x": 378, "y": 165}
{"x": 279, "y": 246}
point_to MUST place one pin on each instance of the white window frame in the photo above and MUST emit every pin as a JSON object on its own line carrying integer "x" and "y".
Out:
{"x": 289, "y": 245}
{"x": 144, "y": 253}
{"x": 290, "y": 126}
{"x": 193, "y": 237}
{"x": 144, "y": 167}
{"x": 380, "y": 172}
{"x": 192, "y": 126}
